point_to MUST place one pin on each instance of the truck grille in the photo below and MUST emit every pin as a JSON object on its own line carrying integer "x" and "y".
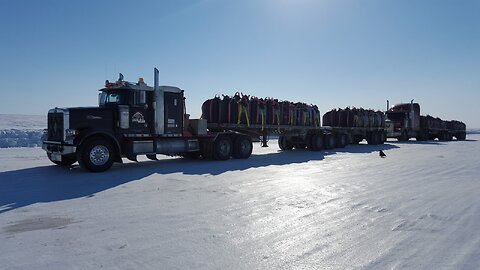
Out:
{"x": 55, "y": 127}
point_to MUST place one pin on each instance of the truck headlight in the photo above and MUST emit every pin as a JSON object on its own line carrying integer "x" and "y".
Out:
{"x": 70, "y": 135}
{"x": 71, "y": 132}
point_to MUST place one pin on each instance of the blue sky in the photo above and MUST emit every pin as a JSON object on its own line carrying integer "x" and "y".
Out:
{"x": 331, "y": 53}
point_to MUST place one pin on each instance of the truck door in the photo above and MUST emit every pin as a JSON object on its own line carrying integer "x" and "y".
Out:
{"x": 173, "y": 113}
{"x": 140, "y": 114}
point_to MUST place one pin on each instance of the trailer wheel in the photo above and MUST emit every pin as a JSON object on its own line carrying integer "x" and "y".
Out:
{"x": 281, "y": 143}
{"x": 383, "y": 137}
{"x": 288, "y": 144}
{"x": 299, "y": 145}
{"x": 242, "y": 148}
{"x": 421, "y": 136}
{"x": 329, "y": 141}
{"x": 356, "y": 139}
{"x": 284, "y": 143}
{"x": 442, "y": 137}
{"x": 373, "y": 138}
{"x": 222, "y": 148}
{"x": 316, "y": 142}
{"x": 67, "y": 160}
{"x": 341, "y": 140}
{"x": 96, "y": 155}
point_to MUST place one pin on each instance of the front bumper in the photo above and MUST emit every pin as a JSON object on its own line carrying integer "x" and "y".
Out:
{"x": 58, "y": 148}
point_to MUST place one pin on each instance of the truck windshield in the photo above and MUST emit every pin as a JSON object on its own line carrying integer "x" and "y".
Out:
{"x": 395, "y": 115}
{"x": 112, "y": 98}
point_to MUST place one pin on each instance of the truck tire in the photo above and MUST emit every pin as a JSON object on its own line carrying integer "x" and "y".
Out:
{"x": 383, "y": 137}
{"x": 373, "y": 138}
{"x": 443, "y": 137}
{"x": 242, "y": 148}
{"x": 403, "y": 137}
{"x": 281, "y": 143}
{"x": 341, "y": 140}
{"x": 316, "y": 142}
{"x": 222, "y": 148}
{"x": 284, "y": 143}
{"x": 96, "y": 155}
{"x": 356, "y": 139}
{"x": 299, "y": 145}
{"x": 206, "y": 149}
{"x": 329, "y": 141}
{"x": 421, "y": 136}
{"x": 67, "y": 160}
{"x": 288, "y": 144}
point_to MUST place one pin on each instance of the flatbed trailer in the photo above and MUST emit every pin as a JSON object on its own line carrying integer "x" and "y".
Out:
{"x": 300, "y": 137}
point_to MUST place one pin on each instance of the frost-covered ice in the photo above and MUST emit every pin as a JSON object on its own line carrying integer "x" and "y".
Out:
{"x": 21, "y": 130}
{"x": 418, "y": 208}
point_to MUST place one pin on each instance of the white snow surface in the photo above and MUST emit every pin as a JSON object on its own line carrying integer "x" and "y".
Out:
{"x": 418, "y": 208}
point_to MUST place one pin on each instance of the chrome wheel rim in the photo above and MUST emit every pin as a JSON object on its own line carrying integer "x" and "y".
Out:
{"x": 99, "y": 155}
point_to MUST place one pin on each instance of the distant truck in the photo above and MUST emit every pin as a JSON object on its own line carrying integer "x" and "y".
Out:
{"x": 403, "y": 121}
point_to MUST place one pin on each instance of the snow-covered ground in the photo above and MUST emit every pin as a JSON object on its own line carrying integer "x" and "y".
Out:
{"x": 419, "y": 208}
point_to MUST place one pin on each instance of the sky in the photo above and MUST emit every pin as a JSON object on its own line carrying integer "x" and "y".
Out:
{"x": 333, "y": 53}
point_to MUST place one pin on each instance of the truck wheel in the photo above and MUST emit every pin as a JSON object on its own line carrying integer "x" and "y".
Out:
{"x": 403, "y": 137}
{"x": 96, "y": 155}
{"x": 316, "y": 142}
{"x": 222, "y": 148}
{"x": 329, "y": 141}
{"x": 242, "y": 148}
{"x": 67, "y": 160}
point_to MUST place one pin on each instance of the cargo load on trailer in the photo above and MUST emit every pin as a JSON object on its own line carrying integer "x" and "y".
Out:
{"x": 251, "y": 110}
{"x": 360, "y": 124}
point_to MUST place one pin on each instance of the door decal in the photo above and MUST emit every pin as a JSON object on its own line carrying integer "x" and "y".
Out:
{"x": 138, "y": 117}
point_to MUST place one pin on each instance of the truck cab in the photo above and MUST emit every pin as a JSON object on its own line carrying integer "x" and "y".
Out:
{"x": 403, "y": 121}
{"x": 131, "y": 119}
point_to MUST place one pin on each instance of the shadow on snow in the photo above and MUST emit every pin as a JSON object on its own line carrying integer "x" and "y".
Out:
{"x": 24, "y": 187}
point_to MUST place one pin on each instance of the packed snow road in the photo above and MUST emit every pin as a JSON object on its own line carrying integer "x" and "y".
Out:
{"x": 418, "y": 208}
